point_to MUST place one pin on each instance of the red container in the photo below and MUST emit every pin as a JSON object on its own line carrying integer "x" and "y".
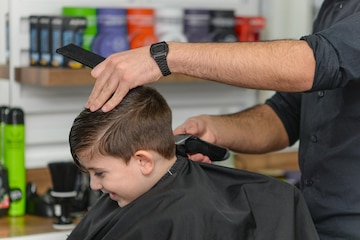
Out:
{"x": 248, "y": 28}
{"x": 140, "y": 23}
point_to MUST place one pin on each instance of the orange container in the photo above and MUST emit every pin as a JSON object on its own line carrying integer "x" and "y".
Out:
{"x": 140, "y": 24}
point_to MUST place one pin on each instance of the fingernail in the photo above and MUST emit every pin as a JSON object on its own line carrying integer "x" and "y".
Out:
{"x": 92, "y": 108}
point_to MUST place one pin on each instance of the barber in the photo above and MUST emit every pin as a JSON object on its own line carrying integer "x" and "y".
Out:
{"x": 317, "y": 80}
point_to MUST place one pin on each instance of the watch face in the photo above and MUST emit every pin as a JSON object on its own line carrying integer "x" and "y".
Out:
{"x": 159, "y": 48}
{"x": 159, "y": 51}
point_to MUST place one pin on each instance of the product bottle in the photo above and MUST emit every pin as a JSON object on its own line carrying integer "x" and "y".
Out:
{"x": 141, "y": 30}
{"x": 112, "y": 32}
{"x": 197, "y": 25}
{"x": 4, "y": 185}
{"x": 222, "y": 27}
{"x": 34, "y": 50}
{"x": 4, "y": 111}
{"x": 90, "y": 14}
{"x": 14, "y": 147}
{"x": 169, "y": 24}
{"x": 248, "y": 28}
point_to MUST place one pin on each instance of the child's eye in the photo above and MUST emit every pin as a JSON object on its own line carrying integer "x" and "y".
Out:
{"x": 99, "y": 174}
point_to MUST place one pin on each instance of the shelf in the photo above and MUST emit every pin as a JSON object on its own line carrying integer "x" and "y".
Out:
{"x": 72, "y": 77}
{"x": 4, "y": 71}
{"x": 27, "y": 225}
{"x": 53, "y": 76}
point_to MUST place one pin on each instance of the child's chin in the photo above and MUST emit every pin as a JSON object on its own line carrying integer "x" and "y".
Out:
{"x": 113, "y": 196}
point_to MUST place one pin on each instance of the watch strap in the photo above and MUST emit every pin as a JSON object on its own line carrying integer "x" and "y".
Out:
{"x": 162, "y": 63}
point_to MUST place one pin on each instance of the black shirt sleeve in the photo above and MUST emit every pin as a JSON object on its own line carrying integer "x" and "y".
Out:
{"x": 287, "y": 107}
{"x": 337, "y": 53}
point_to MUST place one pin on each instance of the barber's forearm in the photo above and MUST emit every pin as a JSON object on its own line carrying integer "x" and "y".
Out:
{"x": 287, "y": 65}
{"x": 255, "y": 130}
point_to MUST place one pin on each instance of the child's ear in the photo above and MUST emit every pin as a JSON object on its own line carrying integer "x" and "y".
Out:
{"x": 146, "y": 161}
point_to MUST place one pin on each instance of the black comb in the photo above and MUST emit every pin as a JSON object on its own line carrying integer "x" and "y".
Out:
{"x": 80, "y": 55}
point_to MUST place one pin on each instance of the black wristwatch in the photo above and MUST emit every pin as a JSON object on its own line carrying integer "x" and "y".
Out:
{"x": 159, "y": 52}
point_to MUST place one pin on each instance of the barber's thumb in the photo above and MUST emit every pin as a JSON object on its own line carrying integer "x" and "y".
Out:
{"x": 184, "y": 129}
{"x": 192, "y": 129}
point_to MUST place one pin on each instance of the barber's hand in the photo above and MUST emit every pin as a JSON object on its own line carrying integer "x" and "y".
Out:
{"x": 119, "y": 73}
{"x": 198, "y": 126}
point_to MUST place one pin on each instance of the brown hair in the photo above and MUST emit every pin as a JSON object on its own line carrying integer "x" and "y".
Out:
{"x": 141, "y": 121}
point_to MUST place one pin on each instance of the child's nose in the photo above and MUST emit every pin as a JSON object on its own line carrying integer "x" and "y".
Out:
{"x": 95, "y": 184}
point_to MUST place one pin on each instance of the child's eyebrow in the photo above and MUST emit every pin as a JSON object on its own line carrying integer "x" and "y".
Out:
{"x": 94, "y": 169}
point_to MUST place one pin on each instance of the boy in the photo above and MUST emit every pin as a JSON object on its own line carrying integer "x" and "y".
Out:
{"x": 152, "y": 193}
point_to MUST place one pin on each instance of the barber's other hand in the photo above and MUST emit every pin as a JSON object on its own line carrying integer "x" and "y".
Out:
{"x": 198, "y": 126}
{"x": 119, "y": 73}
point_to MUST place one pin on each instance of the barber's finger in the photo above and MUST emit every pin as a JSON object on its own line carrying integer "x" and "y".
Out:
{"x": 118, "y": 95}
{"x": 99, "y": 69}
{"x": 95, "y": 93}
{"x": 200, "y": 158}
{"x": 192, "y": 126}
{"x": 179, "y": 130}
{"x": 101, "y": 96}
{"x": 101, "y": 77}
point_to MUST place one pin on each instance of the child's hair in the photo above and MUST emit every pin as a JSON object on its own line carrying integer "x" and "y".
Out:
{"x": 142, "y": 121}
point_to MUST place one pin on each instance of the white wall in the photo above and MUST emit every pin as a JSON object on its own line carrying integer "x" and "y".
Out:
{"x": 4, "y": 92}
{"x": 287, "y": 19}
{"x": 4, "y": 84}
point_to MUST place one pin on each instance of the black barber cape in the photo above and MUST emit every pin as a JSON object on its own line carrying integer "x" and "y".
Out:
{"x": 196, "y": 201}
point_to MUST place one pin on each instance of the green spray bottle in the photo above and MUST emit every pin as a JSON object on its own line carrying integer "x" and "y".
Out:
{"x": 14, "y": 147}
{"x": 4, "y": 110}
{"x": 4, "y": 184}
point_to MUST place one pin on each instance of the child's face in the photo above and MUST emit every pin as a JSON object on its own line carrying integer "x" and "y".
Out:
{"x": 123, "y": 182}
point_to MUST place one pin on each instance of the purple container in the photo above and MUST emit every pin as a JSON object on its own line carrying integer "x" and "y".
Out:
{"x": 112, "y": 32}
{"x": 197, "y": 25}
